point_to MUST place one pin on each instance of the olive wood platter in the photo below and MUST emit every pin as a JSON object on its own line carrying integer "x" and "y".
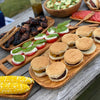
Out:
{"x": 72, "y": 71}
{"x": 85, "y": 20}
{"x": 17, "y": 96}
{"x": 50, "y": 23}
{"x": 8, "y": 59}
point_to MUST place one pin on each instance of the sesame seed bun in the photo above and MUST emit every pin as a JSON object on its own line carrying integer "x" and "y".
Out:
{"x": 55, "y": 70}
{"x": 84, "y": 31}
{"x": 96, "y": 35}
{"x": 69, "y": 39}
{"x": 73, "y": 56}
{"x": 84, "y": 43}
{"x": 57, "y": 50}
{"x": 39, "y": 65}
{"x": 58, "y": 47}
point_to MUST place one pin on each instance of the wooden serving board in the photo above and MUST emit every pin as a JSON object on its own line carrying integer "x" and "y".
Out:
{"x": 85, "y": 20}
{"x": 7, "y": 71}
{"x": 50, "y": 23}
{"x": 17, "y": 96}
{"x": 72, "y": 71}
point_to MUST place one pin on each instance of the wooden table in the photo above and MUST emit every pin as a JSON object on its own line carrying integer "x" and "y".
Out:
{"x": 70, "y": 90}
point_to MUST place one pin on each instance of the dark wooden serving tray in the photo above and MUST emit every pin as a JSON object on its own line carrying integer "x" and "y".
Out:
{"x": 51, "y": 22}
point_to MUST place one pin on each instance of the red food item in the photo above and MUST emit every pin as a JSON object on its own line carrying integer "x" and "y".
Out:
{"x": 47, "y": 33}
{"x": 52, "y": 40}
{"x": 60, "y": 34}
{"x": 82, "y": 14}
{"x": 30, "y": 54}
{"x": 17, "y": 64}
{"x": 40, "y": 47}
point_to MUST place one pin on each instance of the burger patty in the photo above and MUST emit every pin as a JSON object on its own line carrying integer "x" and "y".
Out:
{"x": 60, "y": 77}
{"x": 98, "y": 38}
{"x": 40, "y": 71}
{"x": 59, "y": 55}
{"x": 73, "y": 64}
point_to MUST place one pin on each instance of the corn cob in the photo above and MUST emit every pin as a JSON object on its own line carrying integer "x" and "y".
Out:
{"x": 13, "y": 88}
{"x": 16, "y": 79}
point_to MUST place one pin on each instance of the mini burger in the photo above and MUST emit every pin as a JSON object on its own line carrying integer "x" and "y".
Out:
{"x": 57, "y": 50}
{"x": 57, "y": 71}
{"x": 51, "y": 38}
{"x": 18, "y": 59}
{"x": 51, "y": 30}
{"x": 96, "y": 35}
{"x": 39, "y": 65}
{"x": 27, "y": 44}
{"x": 86, "y": 45}
{"x": 40, "y": 36}
{"x": 73, "y": 57}
{"x": 70, "y": 39}
{"x": 40, "y": 43}
{"x": 16, "y": 51}
{"x": 29, "y": 51}
{"x": 84, "y": 31}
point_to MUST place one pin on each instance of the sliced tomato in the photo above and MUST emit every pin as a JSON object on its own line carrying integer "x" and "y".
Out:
{"x": 17, "y": 64}
{"x": 47, "y": 33}
{"x": 61, "y": 34}
{"x": 40, "y": 47}
{"x": 52, "y": 40}
{"x": 30, "y": 54}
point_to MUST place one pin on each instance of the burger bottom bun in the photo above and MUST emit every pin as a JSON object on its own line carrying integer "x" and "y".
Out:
{"x": 74, "y": 65}
{"x": 90, "y": 51}
{"x": 98, "y": 41}
{"x": 59, "y": 79}
{"x": 40, "y": 74}
{"x": 56, "y": 58}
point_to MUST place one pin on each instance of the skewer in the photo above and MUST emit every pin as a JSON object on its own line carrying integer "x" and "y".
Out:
{"x": 9, "y": 36}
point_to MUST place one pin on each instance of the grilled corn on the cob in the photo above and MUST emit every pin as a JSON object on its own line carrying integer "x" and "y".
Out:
{"x": 13, "y": 88}
{"x": 16, "y": 79}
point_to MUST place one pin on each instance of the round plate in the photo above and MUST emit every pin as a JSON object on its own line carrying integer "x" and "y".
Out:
{"x": 46, "y": 82}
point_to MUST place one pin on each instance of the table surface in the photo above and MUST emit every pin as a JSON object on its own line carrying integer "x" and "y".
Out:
{"x": 70, "y": 90}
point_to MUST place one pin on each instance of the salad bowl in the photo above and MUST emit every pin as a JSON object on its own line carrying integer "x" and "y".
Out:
{"x": 62, "y": 12}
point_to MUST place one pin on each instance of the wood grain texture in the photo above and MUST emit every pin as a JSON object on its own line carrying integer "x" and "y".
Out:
{"x": 21, "y": 96}
{"x": 51, "y": 22}
{"x": 85, "y": 20}
{"x": 7, "y": 71}
{"x": 72, "y": 71}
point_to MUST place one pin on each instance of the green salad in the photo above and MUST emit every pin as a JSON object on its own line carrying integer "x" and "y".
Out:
{"x": 61, "y": 4}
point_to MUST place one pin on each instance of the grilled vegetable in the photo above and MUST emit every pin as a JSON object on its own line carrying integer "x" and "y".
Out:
{"x": 16, "y": 79}
{"x": 13, "y": 88}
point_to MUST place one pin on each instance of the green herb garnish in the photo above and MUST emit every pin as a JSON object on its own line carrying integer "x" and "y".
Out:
{"x": 16, "y": 50}
{"x": 39, "y": 42}
{"x": 25, "y": 45}
{"x": 51, "y": 28}
{"x": 39, "y": 35}
{"x": 52, "y": 35}
{"x": 61, "y": 29}
{"x": 64, "y": 23}
{"x": 18, "y": 58}
{"x": 29, "y": 49}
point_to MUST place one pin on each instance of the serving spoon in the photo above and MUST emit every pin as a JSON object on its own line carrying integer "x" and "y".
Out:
{"x": 85, "y": 18}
